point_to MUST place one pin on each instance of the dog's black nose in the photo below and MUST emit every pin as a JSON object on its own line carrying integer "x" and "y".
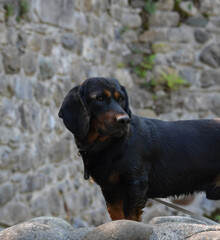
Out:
{"x": 123, "y": 120}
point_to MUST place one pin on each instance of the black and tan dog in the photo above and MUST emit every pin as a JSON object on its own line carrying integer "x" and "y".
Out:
{"x": 133, "y": 158}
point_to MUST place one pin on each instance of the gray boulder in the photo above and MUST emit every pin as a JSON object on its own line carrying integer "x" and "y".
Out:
{"x": 165, "y": 228}
{"x": 44, "y": 228}
{"x": 211, "y": 55}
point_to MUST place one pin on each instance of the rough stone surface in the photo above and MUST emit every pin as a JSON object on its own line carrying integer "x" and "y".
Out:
{"x": 188, "y": 8}
{"x": 13, "y": 213}
{"x": 210, "y": 78}
{"x": 11, "y": 60}
{"x": 68, "y": 41}
{"x": 44, "y": 228}
{"x": 7, "y": 191}
{"x": 23, "y": 88}
{"x": 164, "y": 19}
{"x": 47, "y": 68}
{"x": 210, "y": 7}
{"x": 120, "y": 230}
{"x": 60, "y": 14}
{"x": 211, "y": 55}
{"x": 131, "y": 20}
{"x": 29, "y": 63}
{"x": 197, "y": 21}
{"x": 159, "y": 228}
{"x": 201, "y": 36}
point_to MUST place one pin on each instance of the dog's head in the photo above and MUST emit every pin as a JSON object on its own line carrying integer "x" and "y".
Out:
{"x": 96, "y": 109}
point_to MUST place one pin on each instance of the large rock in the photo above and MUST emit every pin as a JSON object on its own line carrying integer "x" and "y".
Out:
{"x": 210, "y": 7}
{"x": 180, "y": 35}
{"x": 23, "y": 88}
{"x": 210, "y": 78}
{"x": 33, "y": 182}
{"x": 197, "y": 21}
{"x": 211, "y": 55}
{"x": 122, "y": 230}
{"x": 131, "y": 20}
{"x": 44, "y": 228}
{"x": 13, "y": 213}
{"x": 47, "y": 68}
{"x": 201, "y": 36}
{"x": 164, "y": 19}
{"x": 61, "y": 12}
{"x": 11, "y": 60}
{"x": 29, "y": 63}
{"x": 188, "y": 8}
{"x": 165, "y": 228}
{"x": 182, "y": 228}
{"x": 7, "y": 191}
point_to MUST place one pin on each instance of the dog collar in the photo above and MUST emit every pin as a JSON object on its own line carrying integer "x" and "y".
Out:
{"x": 84, "y": 156}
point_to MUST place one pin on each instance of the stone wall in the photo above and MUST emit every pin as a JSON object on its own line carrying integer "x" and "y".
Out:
{"x": 54, "y": 46}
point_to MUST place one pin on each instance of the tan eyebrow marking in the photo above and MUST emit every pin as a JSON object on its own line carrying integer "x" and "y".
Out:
{"x": 117, "y": 95}
{"x": 107, "y": 93}
{"x": 93, "y": 96}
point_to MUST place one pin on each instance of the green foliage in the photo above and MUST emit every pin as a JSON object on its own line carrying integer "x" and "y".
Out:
{"x": 121, "y": 65}
{"x": 8, "y": 11}
{"x": 124, "y": 29}
{"x": 189, "y": 6}
{"x": 217, "y": 218}
{"x": 148, "y": 9}
{"x": 183, "y": 15}
{"x": 172, "y": 81}
{"x": 215, "y": 215}
{"x": 167, "y": 82}
{"x": 23, "y": 8}
{"x": 144, "y": 66}
{"x": 150, "y": 6}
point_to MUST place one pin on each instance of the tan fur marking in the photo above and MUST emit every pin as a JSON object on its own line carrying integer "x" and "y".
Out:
{"x": 116, "y": 210}
{"x": 114, "y": 177}
{"x": 82, "y": 82}
{"x": 136, "y": 216}
{"x": 217, "y": 120}
{"x": 217, "y": 181}
{"x": 107, "y": 93}
{"x": 93, "y": 135}
{"x": 117, "y": 95}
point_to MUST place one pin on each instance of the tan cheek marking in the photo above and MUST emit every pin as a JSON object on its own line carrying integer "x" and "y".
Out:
{"x": 114, "y": 177}
{"x": 107, "y": 93}
{"x": 117, "y": 95}
{"x": 102, "y": 138}
{"x": 93, "y": 134}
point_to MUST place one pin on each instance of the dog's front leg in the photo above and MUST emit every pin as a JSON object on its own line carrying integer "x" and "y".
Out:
{"x": 135, "y": 200}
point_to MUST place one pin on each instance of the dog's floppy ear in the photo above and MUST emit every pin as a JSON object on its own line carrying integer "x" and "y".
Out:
{"x": 126, "y": 108}
{"x": 74, "y": 113}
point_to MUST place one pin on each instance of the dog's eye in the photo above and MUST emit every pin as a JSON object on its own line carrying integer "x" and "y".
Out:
{"x": 121, "y": 100}
{"x": 100, "y": 98}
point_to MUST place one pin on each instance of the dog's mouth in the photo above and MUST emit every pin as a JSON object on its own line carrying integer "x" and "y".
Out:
{"x": 114, "y": 132}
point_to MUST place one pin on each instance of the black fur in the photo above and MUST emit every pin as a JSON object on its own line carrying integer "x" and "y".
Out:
{"x": 146, "y": 158}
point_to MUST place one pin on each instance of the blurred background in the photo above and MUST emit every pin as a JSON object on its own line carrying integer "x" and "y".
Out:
{"x": 166, "y": 53}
